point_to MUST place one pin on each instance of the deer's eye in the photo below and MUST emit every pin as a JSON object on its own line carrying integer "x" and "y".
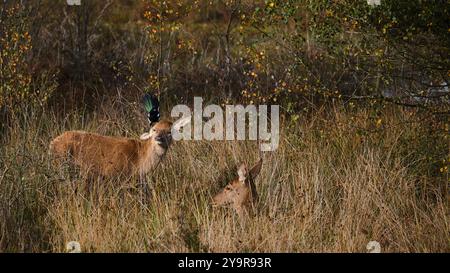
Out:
{"x": 228, "y": 188}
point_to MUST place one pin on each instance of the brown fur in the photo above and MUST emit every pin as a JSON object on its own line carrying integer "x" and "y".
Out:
{"x": 111, "y": 156}
{"x": 240, "y": 193}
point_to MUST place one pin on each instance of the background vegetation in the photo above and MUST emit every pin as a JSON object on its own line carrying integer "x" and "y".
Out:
{"x": 364, "y": 149}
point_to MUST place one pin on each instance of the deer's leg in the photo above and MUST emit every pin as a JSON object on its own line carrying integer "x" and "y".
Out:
{"x": 144, "y": 186}
{"x": 87, "y": 184}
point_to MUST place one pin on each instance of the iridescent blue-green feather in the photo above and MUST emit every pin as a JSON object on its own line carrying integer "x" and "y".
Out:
{"x": 151, "y": 106}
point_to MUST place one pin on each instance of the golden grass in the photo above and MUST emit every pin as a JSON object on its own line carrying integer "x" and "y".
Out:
{"x": 327, "y": 188}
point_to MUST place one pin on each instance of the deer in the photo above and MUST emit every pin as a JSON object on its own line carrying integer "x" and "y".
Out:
{"x": 240, "y": 193}
{"x": 109, "y": 156}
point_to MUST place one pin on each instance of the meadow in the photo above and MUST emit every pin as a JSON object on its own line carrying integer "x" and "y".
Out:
{"x": 325, "y": 189}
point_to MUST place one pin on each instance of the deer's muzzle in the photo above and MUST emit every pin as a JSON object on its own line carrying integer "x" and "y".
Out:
{"x": 163, "y": 139}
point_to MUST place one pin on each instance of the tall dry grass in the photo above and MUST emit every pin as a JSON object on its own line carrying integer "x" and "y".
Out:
{"x": 328, "y": 188}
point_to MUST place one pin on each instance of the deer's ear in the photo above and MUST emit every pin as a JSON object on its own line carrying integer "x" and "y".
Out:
{"x": 242, "y": 172}
{"x": 255, "y": 170}
{"x": 145, "y": 136}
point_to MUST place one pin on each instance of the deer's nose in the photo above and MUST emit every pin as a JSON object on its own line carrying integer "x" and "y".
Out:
{"x": 216, "y": 204}
{"x": 162, "y": 138}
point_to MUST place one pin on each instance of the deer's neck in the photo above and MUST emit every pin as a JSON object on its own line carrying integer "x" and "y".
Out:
{"x": 150, "y": 155}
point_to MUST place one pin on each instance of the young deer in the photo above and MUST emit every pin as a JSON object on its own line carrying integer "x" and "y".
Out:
{"x": 241, "y": 192}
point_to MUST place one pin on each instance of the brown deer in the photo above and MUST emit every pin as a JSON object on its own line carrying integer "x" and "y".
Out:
{"x": 240, "y": 193}
{"x": 112, "y": 156}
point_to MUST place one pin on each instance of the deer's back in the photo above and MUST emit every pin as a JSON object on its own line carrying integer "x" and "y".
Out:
{"x": 96, "y": 153}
